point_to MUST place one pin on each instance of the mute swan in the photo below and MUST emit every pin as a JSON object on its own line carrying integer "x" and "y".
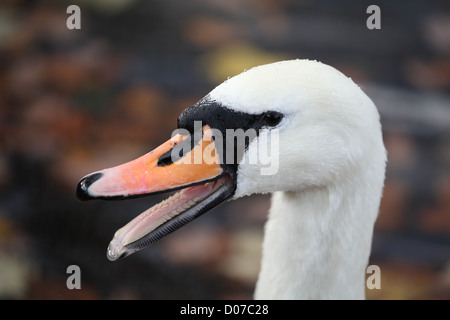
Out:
{"x": 326, "y": 188}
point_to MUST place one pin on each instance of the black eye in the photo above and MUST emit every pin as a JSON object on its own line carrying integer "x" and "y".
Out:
{"x": 271, "y": 118}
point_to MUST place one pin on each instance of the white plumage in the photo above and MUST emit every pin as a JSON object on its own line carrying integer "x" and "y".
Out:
{"x": 328, "y": 187}
{"x": 326, "y": 184}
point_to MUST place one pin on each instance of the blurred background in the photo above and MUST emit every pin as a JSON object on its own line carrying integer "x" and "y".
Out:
{"x": 76, "y": 101}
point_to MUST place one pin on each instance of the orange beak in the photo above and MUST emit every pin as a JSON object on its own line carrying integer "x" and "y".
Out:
{"x": 176, "y": 164}
{"x": 155, "y": 172}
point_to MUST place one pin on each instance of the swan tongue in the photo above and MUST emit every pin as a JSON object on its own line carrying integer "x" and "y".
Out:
{"x": 197, "y": 171}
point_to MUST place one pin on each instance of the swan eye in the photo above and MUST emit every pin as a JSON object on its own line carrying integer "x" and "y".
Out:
{"x": 271, "y": 118}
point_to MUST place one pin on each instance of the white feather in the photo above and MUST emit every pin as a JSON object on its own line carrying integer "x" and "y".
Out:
{"x": 329, "y": 183}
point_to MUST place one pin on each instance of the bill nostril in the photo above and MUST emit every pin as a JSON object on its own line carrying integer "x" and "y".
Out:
{"x": 166, "y": 159}
{"x": 84, "y": 184}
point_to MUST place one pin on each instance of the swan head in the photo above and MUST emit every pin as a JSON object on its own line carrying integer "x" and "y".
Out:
{"x": 285, "y": 126}
{"x": 327, "y": 128}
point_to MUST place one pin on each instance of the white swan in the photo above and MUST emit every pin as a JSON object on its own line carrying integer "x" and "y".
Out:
{"x": 326, "y": 191}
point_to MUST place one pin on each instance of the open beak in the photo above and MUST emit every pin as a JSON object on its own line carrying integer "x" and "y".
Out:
{"x": 179, "y": 163}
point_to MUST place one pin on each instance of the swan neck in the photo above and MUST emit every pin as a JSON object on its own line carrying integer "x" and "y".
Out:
{"x": 325, "y": 247}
